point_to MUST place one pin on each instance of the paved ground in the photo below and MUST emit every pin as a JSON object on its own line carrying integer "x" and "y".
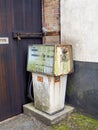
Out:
{"x": 75, "y": 121}
{"x": 23, "y": 122}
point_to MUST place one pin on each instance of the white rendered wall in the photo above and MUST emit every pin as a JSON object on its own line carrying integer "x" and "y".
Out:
{"x": 79, "y": 26}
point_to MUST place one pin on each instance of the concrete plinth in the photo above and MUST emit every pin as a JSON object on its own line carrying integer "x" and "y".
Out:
{"x": 30, "y": 110}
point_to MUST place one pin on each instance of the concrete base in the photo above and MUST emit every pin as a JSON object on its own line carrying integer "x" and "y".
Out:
{"x": 30, "y": 110}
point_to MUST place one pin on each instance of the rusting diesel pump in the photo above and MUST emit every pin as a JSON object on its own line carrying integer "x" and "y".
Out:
{"x": 50, "y": 65}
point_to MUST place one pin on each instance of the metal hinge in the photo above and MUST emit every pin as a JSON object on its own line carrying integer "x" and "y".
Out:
{"x": 29, "y": 35}
{"x": 23, "y": 35}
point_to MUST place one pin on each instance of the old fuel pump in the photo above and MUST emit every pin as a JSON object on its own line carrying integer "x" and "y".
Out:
{"x": 49, "y": 65}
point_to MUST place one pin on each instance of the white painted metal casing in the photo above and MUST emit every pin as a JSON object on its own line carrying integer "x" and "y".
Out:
{"x": 49, "y": 92}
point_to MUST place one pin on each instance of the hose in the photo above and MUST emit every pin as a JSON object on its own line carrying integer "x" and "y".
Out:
{"x": 30, "y": 89}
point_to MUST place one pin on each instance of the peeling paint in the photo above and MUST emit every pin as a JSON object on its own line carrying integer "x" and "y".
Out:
{"x": 50, "y": 59}
{"x": 49, "y": 95}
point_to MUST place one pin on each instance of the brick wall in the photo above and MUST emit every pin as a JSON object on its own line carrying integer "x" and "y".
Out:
{"x": 51, "y": 19}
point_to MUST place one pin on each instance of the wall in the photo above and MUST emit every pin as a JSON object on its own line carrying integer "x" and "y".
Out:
{"x": 79, "y": 26}
{"x": 50, "y": 20}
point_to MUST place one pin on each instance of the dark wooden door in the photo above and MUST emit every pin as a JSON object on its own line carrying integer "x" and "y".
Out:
{"x": 16, "y": 16}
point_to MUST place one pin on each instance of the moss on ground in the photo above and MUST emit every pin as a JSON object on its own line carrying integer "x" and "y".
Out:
{"x": 77, "y": 122}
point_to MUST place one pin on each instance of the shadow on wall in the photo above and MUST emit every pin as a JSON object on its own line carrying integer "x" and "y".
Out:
{"x": 82, "y": 88}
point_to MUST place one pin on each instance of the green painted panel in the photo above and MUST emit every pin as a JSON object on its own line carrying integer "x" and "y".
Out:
{"x": 41, "y": 59}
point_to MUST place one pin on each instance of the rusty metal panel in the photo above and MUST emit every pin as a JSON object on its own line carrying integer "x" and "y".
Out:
{"x": 63, "y": 60}
{"x": 50, "y": 59}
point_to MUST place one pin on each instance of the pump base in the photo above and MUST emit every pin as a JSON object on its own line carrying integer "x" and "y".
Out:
{"x": 30, "y": 110}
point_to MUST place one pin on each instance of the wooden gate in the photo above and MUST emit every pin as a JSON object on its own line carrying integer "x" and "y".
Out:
{"x": 20, "y": 20}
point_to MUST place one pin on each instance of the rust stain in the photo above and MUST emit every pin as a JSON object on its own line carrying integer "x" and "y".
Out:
{"x": 56, "y": 79}
{"x": 49, "y": 80}
{"x": 40, "y": 79}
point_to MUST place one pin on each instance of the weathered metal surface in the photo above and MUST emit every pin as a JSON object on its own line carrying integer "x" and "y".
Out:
{"x": 41, "y": 59}
{"x": 50, "y": 59}
{"x": 49, "y": 92}
{"x": 26, "y": 35}
{"x": 63, "y": 60}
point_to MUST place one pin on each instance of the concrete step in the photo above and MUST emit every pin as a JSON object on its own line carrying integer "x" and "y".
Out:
{"x": 30, "y": 110}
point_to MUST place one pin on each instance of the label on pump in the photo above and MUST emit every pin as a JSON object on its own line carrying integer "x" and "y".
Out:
{"x": 41, "y": 59}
